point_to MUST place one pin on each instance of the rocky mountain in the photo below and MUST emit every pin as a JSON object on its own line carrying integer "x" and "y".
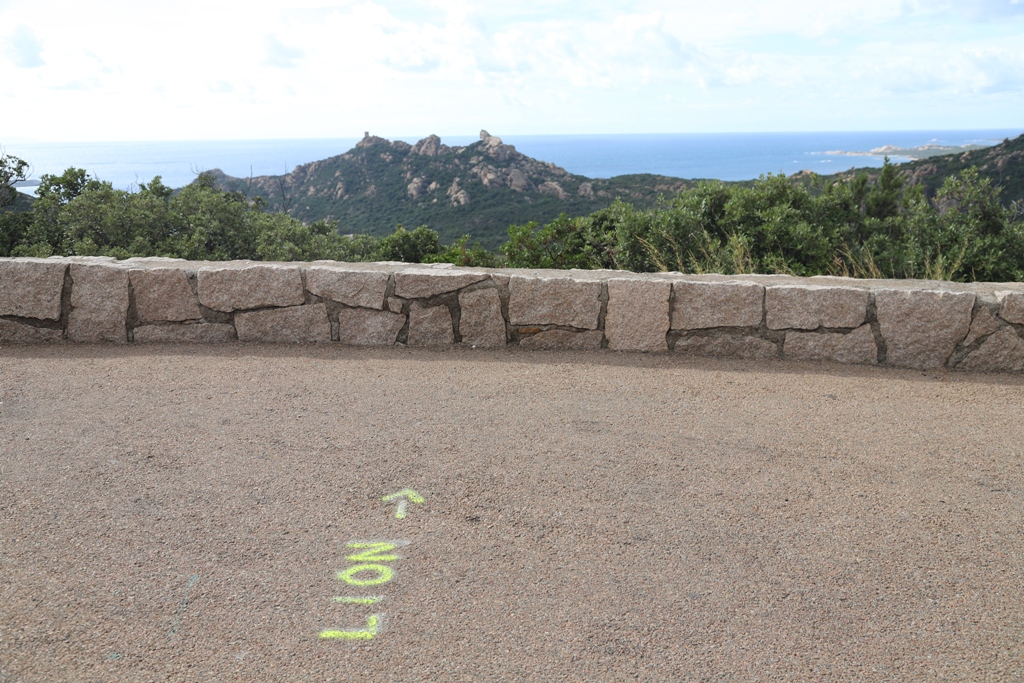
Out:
{"x": 479, "y": 189}
{"x": 482, "y": 188}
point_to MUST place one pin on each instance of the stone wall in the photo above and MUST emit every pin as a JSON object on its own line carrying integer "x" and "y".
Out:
{"x": 901, "y": 323}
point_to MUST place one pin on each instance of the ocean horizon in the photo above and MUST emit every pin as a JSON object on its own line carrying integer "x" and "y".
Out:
{"x": 719, "y": 156}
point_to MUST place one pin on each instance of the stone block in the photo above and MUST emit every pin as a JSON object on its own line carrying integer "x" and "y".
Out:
{"x": 1003, "y": 351}
{"x": 702, "y": 305}
{"x": 200, "y": 333}
{"x": 363, "y": 327}
{"x": 481, "y": 323}
{"x": 294, "y": 324}
{"x": 360, "y": 288}
{"x": 857, "y": 346}
{"x": 922, "y": 328}
{"x": 11, "y": 331}
{"x": 430, "y": 326}
{"x": 31, "y": 288}
{"x": 423, "y": 284}
{"x": 554, "y": 301}
{"x": 257, "y": 286}
{"x": 638, "y": 314}
{"x": 394, "y": 305}
{"x": 163, "y": 295}
{"x": 984, "y": 324}
{"x": 99, "y": 303}
{"x": 808, "y": 307}
{"x": 732, "y": 346}
{"x": 1011, "y": 307}
{"x": 563, "y": 340}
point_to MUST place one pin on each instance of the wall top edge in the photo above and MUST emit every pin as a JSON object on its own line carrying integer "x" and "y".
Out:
{"x": 394, "y": 267}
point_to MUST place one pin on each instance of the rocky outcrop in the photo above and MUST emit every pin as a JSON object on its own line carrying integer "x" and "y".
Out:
{"x": 489, "y": 176}
{"x": 518, "y": 181}
{"x": 552, "y": 188}
{"x": 456, "y": 195}
{"x": 415, "y": 188}
{"x": 429, "y": 146}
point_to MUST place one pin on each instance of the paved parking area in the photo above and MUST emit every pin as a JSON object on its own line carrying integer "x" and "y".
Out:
{"x": 215, "y": 513}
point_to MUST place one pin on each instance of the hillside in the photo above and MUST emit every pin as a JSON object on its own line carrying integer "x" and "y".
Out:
{"x": 1002, "y": 163}
{"x": 482, "y": 188}
{"x": 22, "y": 202}
{"x": 479, "y": 189}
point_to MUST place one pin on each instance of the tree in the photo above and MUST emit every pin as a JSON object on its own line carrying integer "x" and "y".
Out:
{"x": 410, "y": 247}
{"x": 884, "y": 199}
{"x": 12, "y": 225}
{"x": 12, "y": 170}
{"x": 63, "y": 188}
{"x": 49, "y": 232}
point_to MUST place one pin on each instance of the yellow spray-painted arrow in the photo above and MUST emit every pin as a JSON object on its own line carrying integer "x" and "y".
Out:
{"x": 368, "y": 633}
{"x": 404, "y": 497}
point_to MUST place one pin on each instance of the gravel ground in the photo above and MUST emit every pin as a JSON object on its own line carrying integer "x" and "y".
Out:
{"x": 181, "y": 513}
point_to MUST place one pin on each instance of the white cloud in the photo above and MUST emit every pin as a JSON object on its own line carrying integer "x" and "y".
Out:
{"x": 281, "y": 55}
{"x": 993, "y": 9}
{"x": 337, "y": 67}
{"x": 24, "y": 48}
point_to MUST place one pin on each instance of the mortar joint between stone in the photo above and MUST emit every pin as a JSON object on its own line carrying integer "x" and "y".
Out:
{"x": 871, "y": 317}
{"x": 65, "y": 300}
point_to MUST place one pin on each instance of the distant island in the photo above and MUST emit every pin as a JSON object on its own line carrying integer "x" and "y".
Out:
{"x": 922, "y": 152}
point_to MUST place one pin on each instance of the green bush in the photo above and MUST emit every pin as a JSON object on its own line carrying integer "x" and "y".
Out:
{"x": 774, "y": 225}
{"x": 79, "y": 215}
{"x": 410, "y": 247}
{"x": 778, "y": 226}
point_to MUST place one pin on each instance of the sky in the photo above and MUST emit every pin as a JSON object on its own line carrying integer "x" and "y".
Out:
{"x": 108, "y": 70}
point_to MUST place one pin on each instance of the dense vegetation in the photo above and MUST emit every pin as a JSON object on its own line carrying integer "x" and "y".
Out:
{"x": 484, "y": 187}
{"x": 1002, "y": 165}
{"x": 75, "y": 214}
{"x": 856, "y": 226}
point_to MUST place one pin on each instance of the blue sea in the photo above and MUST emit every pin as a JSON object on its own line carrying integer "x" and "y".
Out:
{"x": 724, "y": 156}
